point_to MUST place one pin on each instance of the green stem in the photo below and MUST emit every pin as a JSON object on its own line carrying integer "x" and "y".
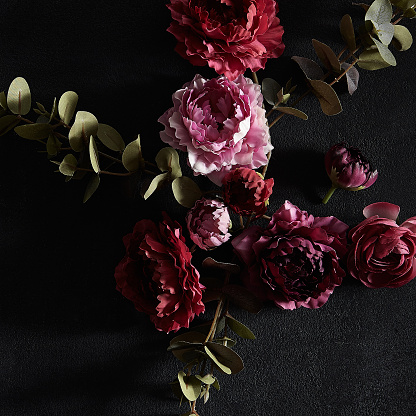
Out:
{"x": 329, "y": 194}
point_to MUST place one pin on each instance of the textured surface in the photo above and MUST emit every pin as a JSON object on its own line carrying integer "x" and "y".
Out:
{"x": 70, "y": 344}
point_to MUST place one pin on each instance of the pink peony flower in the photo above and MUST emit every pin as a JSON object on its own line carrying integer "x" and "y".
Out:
{"x": 294, "y": 261}
{"x": 220, "y": 124}
{"x": 245, "y": 192}
{"x": 383, "y": 253}
{"x": 208, "y": 223}
{"x": 156, "y": 274}
{"x": 229, "y": 35}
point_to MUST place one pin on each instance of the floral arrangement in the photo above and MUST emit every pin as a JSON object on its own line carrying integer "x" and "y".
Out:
{"x": 222, "y": 127}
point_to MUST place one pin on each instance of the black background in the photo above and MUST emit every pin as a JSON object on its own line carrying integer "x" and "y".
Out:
{"x": 71, "y": 344}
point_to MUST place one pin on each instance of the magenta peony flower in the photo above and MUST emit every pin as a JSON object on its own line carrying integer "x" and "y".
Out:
{"x": 220, "y": 124}
{"x": 208, "y": 223}
{"x": 294, "y": 261}
{"x": 229, "y": 35}
{"x": 156, "y": 274}
{"x": 246, "y": 192}
{"x": 382, "y": 253}
{"x": 348, "y": 169}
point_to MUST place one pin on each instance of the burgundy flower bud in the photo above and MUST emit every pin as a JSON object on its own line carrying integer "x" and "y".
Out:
{"x": 348, "y": 169}
{"x": 246, "y": 192}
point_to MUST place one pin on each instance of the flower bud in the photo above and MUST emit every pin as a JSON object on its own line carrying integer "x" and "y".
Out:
{"x": 348, "y": 169}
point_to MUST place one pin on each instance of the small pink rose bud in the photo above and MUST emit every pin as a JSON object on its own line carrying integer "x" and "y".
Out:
{"x": 208, "y": 223}
{"x": 348, "y": 169}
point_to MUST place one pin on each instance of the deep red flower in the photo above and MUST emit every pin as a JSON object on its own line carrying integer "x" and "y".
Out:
{"x": 294, "y": 261}
{"x": 229, "y": 35}
{"x": 246, "y": 192}
{"x": 156, "y": 274}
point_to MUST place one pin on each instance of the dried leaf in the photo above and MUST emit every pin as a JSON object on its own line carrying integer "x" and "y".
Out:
{"x": 92, "y": 186}
{"x": 186, "y": 191}
{"x": 347, "y": 32}
{"x": 156, "y": 183}
{"x": 110, "y": 137}
{"x": 36, "y": 131}
{"x": 269, "y": 89}
{"x": 310, "y": 68}
{"x": 19, "y": 99}
{"x": 292, "y": 111}
{"x": 95, "y": 162}
{"x": 239, "y": 328}
{"x": 327, "y": 97}
{"x": 326, "y": 56}
{"x": 132, "y": 156}
{"x": 67, "y": 105}
{"x": 352, "y": 77}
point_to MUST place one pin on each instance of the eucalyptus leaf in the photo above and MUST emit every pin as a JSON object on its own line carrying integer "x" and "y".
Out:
{"x": 226, "y": 356}
{"x": 402, "y": 39}
{"x": 132, "y": 156}
{"x": 156, "y": 183}
{"x": 327, "y": 97}
{"x": 110, "y": 137}
{"x": 410, "y": 13}
{"x": 95, "y": 162}
{"x": 352, "y": 77}
{"x": 207, "y": 379}
{"x": 68, "y": 165}
{"x": 292, "y": 111}
{"x": 239, "y": 328}
{"x": 54, "y": 111}
{"x": 365, "y": 37}
{"x": 36, "y": 131}
{"x": 76, "y": 141}
{"x": 191, "y": 336}
{"x": 385, "y": 53}
{"x": 190, "y": 386}
{"x": 347, "y": 32}
{"x": 85, "y": 125}
{"x": 216, "y": 385}
{"x": 310, "y": 68}
{"x": 380, "y": 11}
{"x": 384, "y": 32}
{"x": 228, "y": 342}
{"x": 186, "y": 191}
{"x": 7, "y": 123}
{"x": 3, "y": 100}
{"x": 231, "y": 268}
{"x": 41, "y": 107}
{"x": 19, "y": 99}
{"x": 53, "y": 145}
{"x": 167, "y": 160}
{"x": 327, "y": 56}
{"x": 67, "y": 105}
{"x": 215, "y": 360}
{"x": 92, "y": 186}
{"x": 371, "y": 60}
{"x": 269, "y": 89}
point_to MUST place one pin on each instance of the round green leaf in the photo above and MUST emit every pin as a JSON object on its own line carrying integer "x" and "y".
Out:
{"x": 36, "y": 131}
{"x": 190, "y": 386}
{"x": 220, "y": 365}
{"x": 3, "y": 100}
{"x": 380, "y": 11}
{"x": 66, "y": 106}
{"x": 402, "y": 39}
{"x": 19, "y": 98}
{"x": 371, "y": 60}
{"x": 53, "y": 145}
{"x": 110, "y": 137}
{"x": 68, "y": 165}
{"x": 186, "y": 191}
{"x": 269, "y": 89}
{"x": 207, "y": 379}
{"x": 156, "y": 183}
{"x": 167, "y": 160}
{"x": 132, "y": 156}
{"x": 85, "y": 125}
{"x": 385, "y": 53}
{"x": 95, "y": 163}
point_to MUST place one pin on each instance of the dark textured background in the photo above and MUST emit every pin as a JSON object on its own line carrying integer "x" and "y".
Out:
{"x": 71, "y": 344}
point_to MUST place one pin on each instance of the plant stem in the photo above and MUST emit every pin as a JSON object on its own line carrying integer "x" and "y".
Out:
{"x": 329, "y": 194}
{"x": 255, "y": 78}
{"x": 104, "y": 172}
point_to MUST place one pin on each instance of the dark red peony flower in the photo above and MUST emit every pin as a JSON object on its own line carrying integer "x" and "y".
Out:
{"x": 382, "y": 253}
{"x": 294, "y": 261}
{"x": 156, "y": 274}
{"x": 229, "y": 35}
{"x": 246, "y": 192}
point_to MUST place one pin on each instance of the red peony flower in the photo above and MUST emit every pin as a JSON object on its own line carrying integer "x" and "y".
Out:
{"x": 156, "y": 274}
{"x": 246, "y": 192}
{"x": 382, "y": 253}
{"x": 294, "y": 261}
{"x": 229, "y": 35}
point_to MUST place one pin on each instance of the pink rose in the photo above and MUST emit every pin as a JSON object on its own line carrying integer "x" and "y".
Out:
{"x": 382, "y": 253}
{"x": 220, "y": 124}
{"x": 156, "y": 274}
{"x": 294, "y": 261}
{"x": 229, "y": 35}
{"x": 208, "y": 223}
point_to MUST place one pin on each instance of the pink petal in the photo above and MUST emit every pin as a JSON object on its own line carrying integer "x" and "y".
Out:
{"x": 382, "y": 209}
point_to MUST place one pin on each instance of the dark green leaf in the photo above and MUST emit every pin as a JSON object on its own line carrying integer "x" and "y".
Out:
{"x": 292, "y": 111}
{"x": 35, "y": 131}
{"x": 239, "y": 328}
{"x": 53, "y": 145}
{"x": 68, "y": 165}
{"x": 220, "y": 365}
{"x": 186, "y": 191}
{"x": 167, "y": 160}
{"x": 347, "y": 31}
{"x": 310, "y": 68}
{"x": 92, "y": 186}
{"x": 3, "y": 100}
{"x": 326, "y": 56}
{"x": 269, "y": 89}
{"x": 95, "y": 162}
{"x": 327, "y": 97}
{"x": 216, "y": 385}
{"x": 156, "y": 183}
{"x": 226, "y": 356}
{"x": 132, "y": 156}
{"x": 7, "y": 123}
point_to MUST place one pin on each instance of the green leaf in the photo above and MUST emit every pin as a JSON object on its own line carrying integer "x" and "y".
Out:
{"x": 327, "y": 97}
{"x": 3, "y": 100}
{"x": 243, "y": 298}
{"x": 385, "y": 53}
{"x": 167, "y": 160}
{"x": 402, "y": 39}
{"x": 156, "y": 183}
{"x": 191, "y": 336}
{"x": 67, "y": 105}
{"x": 365, "y": 37}
{"x": 239, "y": 328}
{"x": 7, "y": 123}
{"x": 91, "y": 187}
{"x": 190, "y": 386}
{"x": 19, "y": 99}
{"x": 216, "y": 385}
{"x": 85, "y": 125}
{"x": 226, "y": 356}
{"x": 95, "y": 162}
{"x": 347, "y": 32}
{"x": 207, "y": 379}
{"x": 292, "y": 111}
{"x": 269, "y": 89}
{"x": 326, "y": 56}
{"x": 186, "y": 191}
{"x": 110, "y": 137}
{"x": 53, "y": 145}
{"x": 54, "y": 110}
{"x": 380, "y": 12}
{"x": 371, "y": 60}
{"x": 132, "y": 156}
{"x": 310, "y": 68}
{"x": 68, "y": 165}
{"x": 221, "y": 366}
{"x": 384, "y": 32}
{"x": 35, "y": 131}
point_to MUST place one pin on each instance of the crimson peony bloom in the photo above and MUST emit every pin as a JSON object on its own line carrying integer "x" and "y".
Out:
{"x": 220, "y": 124}
{"x": 229, "y": 35}
{"x": 156, "y": 274}
{"x": 246, "y": 192}
{"x": 294, "y": 262}
{"x": 382, "y": 253}
{"x": 208, "y": 223}
{"x": 348, "y": 169}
